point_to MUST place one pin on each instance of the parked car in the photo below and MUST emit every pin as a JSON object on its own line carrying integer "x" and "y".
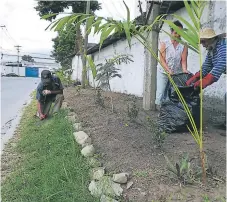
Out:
{"x": 11, "y": 75}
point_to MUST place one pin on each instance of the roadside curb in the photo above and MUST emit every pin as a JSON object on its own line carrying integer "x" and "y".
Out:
{"x": 102, "y": 185}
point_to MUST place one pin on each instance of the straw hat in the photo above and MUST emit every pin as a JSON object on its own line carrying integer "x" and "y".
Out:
{"x": 208, "y": 33}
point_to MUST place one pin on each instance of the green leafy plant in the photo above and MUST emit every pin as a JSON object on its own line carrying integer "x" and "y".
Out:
{"x": 65, "y": 76}
{"x": 93, "y": 68}
{"x": 64, "y": 46}
{"x": 183, "y": 170}
{"x": 157, "y": 135}
{"x": 108, "y": 71}
{"x": 206, "y": 198}
{"x": 190, "y": 38}
{"x": 141, "y": 173}
{"x": 133, "y": 110}
{"x": 78, "y": 89}
{"x": 98, "y": 97}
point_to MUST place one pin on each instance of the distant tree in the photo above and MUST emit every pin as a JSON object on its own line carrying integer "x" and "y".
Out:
{"x": 49, "y": 7}
{"x": 70, "y": 40}
{"x": 64, "y": 46}
{"x": 28, "y": 58}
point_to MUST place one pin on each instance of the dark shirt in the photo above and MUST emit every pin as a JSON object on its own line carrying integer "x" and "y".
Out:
{"x": 55, "y": 85}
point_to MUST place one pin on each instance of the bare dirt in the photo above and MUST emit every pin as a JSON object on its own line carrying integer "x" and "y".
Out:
{"x": 125, "y": 146}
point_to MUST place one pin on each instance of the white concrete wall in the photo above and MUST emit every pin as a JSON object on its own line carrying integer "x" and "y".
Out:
{"x": 132, "y": 73}
{"x": 22, "y": 71}
{"x": 77, "y": 68}
{"x": 214, "y": 16}
{"x": 17, "y": 70}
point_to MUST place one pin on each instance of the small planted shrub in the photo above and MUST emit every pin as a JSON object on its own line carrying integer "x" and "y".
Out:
{"x": 133, "y": 110}
{"x": 157, "y": 135}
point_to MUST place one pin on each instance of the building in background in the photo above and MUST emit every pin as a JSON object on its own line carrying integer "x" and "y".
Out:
{"x": 9, "y": 65}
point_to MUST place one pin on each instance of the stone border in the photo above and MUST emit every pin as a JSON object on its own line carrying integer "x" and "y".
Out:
{"x": 102, "y": 186}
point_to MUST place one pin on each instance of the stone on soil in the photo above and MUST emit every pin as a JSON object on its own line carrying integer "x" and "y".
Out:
{"x": 121, "y": 178}
{"x": 88, "y": 151}
{"x": 77, "y": 126}
{"x": 97, "y": 173}
{"x": 82, "y": 138}
{"x": 105, "y": 186}
{"x": 64, "y": 105}
{"x": 107, "y": 199}
{"x": 72, "y": 118}
{"x": 93, "y": 162}
{"x": 129, "y": 184}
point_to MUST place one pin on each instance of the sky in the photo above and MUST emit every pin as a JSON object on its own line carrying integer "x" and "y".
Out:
{"x": 25, "y": 28}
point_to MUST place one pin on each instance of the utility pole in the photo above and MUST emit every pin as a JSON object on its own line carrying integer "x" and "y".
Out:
{"x": 150, "y": 66}
{"x": 84, "y": 70}
{"x": 18, "y": 52}
{"x": 1, "y": 54}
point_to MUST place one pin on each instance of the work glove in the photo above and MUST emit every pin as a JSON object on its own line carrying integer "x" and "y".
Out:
{"x": 206, "y": 81}
{"x": 193, "y": 79}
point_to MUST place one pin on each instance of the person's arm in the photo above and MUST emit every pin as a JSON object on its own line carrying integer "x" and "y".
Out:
{"x": 184, "y": 60}
{"x": 55, "y": 92}
{"x": 38, "y": 97}
{"x": 163, "y": 57}
{"x": 206, "y": 68}
{"x": 218, "y": 69}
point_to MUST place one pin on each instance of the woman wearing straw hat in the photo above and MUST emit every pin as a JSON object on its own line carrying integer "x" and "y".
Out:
{"x": 215, "y": 62}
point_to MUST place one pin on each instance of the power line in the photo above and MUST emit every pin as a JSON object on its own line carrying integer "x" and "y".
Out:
{"x": 32, "y": 57}
{"x": 25, "y": 52}
{"x": 10, "y": 36}
{"x": 8, "y": 39}
{"x": 6, "y": 32}
{"x": 35, "y": 53}
{"x": 14, "y": 41}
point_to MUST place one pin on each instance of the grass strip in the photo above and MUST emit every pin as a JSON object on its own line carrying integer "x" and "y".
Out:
{"x": 51, "y": 168}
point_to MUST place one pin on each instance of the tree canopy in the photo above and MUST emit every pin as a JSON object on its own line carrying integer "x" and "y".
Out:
{"x": 49, "y": 7}
{"x": 64, "y": 46}
{"x": 69, "y": 40}
{"x": 28, "y": 58}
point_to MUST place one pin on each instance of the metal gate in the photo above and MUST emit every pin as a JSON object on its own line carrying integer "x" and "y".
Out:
{"x": 32, "y": 72}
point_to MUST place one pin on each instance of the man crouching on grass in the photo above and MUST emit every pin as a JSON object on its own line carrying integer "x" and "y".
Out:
{"x": 49, "y": 90}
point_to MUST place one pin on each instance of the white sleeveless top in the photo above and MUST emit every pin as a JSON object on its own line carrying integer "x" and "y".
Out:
{"x": 173, "y": 57}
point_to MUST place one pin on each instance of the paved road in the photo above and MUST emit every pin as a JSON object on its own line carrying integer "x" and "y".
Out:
{"x": 15, "y": 92}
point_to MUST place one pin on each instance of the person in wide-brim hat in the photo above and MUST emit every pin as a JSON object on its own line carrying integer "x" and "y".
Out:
{"x": 215, "y": 62}
{"x": 208, "y": 37}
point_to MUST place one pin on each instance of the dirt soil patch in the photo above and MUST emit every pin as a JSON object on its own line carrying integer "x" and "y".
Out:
{"x": 124, "y": 146}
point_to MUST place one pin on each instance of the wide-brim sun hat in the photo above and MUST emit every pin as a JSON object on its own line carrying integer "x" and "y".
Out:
{"x": 209, "y": 33}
